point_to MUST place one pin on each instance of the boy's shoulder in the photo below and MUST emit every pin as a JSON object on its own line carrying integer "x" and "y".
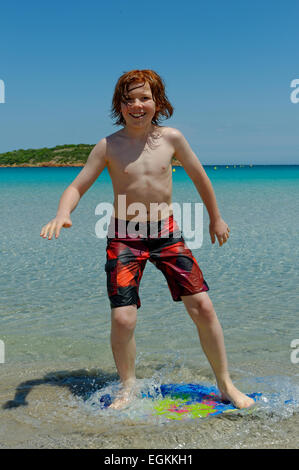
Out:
{"x": 172, "y": 132}
{"x": 173, "y": 135}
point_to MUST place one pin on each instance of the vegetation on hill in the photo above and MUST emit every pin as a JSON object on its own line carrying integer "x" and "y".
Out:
{"x": 61, "y": 155}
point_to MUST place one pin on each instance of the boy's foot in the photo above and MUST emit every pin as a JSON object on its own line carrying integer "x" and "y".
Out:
{"x": 124, "y": 397}
{"x": 230, "y": 393}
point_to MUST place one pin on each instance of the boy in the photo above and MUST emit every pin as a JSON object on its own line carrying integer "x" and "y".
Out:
{"x": 138, "y": 158}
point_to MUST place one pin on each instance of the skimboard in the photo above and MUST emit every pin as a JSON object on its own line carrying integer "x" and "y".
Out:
{"x": 185, "y": 401}
{"x": 181, "y": 401}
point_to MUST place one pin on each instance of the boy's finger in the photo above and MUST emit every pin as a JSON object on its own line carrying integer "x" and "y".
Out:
{"x": 44, "y": 231}
{"x": 224, "y": 239}
{"x": 52, "y": 229}
{"x": 220, "y": 240}
{"x": 58, "y": 230}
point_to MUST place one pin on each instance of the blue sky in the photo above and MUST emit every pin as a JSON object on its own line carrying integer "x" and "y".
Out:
{"x": 228, "y": 66}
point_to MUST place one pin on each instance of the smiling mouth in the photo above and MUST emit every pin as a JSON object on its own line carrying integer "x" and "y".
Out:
{"x": 137, "y": 116}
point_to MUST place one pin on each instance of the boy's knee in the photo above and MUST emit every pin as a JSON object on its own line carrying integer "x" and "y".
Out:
{"x": 201, "y": 309}
{"x": 125, "y": 317}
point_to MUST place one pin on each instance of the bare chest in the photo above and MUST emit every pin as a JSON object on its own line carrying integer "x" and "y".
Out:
{"x": 135, "y": 161}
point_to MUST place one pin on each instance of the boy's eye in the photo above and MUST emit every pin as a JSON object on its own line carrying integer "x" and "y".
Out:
{"x": 133, "y": 99}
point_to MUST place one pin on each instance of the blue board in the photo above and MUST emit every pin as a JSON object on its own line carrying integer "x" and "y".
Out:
{"x": 181, "y": 401}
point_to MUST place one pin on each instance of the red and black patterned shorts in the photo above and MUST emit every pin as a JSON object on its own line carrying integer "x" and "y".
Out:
{"x": 166, "y": 249}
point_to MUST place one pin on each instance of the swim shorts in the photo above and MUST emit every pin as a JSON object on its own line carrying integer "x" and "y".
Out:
{"x": 159, "y": 242}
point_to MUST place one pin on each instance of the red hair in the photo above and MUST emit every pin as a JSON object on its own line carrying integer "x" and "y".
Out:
{"x": 156, "y": 83}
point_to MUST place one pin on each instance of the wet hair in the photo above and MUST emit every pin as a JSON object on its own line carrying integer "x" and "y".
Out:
{"x": 163, "y": 106}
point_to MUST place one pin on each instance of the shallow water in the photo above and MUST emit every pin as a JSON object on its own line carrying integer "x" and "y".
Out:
{"x": 55, "y": 321}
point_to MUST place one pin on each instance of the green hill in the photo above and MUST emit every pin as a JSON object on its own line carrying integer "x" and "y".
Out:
{"x": 61, "y": 155}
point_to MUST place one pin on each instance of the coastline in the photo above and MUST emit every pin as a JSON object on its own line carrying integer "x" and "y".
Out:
{"x": 76, "y": 155}
{"x": 53, "y": 164}
{"x": 42, "y": 164}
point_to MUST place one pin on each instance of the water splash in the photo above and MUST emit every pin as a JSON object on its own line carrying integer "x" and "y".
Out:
{"x": 280, "y": 395}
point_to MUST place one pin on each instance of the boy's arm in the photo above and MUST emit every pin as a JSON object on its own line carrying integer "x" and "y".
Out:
{"x": 94, "y": 166}
{"x": 184, "y": 154}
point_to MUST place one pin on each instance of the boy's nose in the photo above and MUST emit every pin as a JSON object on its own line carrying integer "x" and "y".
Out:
{"x": 136, "y": 103}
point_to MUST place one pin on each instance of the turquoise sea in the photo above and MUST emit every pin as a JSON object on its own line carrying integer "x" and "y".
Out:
{"x": 55, "y": 317}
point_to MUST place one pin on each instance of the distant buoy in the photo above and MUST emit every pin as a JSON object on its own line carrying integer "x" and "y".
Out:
{"x": 215, "y": 167}
{"x": 226, "y": 167}
{"x": 173, "y": 169}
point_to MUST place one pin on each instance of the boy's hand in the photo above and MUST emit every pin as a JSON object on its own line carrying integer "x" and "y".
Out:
{"x": 219, "y": 229}
{"x": 55, "y": 225}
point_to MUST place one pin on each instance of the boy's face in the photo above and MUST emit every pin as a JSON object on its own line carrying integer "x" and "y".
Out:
{"x": 139, "y": 108}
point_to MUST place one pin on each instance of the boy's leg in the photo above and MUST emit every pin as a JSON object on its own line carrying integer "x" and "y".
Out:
{"x": 126, "y": 259}
{"x": 201, "y": 310}
{"x": 123, "y": 322}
